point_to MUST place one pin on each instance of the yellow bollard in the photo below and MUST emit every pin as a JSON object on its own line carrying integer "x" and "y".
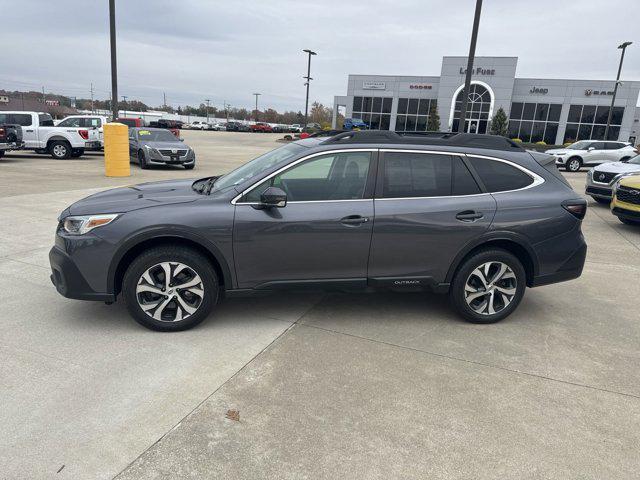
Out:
{"x": 116, "y": 150}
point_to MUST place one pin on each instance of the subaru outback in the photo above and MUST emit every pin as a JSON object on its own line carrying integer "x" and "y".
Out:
{"x": 474, "y": 216}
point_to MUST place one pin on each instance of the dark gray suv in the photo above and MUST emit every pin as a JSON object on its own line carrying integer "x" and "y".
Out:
{"x": 474, "y": 216}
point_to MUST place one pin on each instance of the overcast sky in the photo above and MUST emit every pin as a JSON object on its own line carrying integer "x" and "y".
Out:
{"x": 226, "y": 50}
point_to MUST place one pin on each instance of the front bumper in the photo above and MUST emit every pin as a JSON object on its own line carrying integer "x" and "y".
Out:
{"x": 560, "y": 160}
{"x": 159, "y": 159}
{"x": 599, "y": 191}
{"x": 69, "y": 281}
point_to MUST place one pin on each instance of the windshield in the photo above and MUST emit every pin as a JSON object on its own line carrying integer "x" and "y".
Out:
{"x": 156, "y": 136}
{"x": 582, "y": 145}
{"x": 258, "y": 165}
{"x": 635, "y": 160}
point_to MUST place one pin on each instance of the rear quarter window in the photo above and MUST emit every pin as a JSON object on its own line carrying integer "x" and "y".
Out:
{"x": 500, "y": 176}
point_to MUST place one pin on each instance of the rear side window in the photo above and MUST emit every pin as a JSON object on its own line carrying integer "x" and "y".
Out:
{"x": 45, "y": 120}
{"x": 500, "y": 176}
{"x": 22, "y": 119}
{"x": 70, "y": 122}
{"x": 409, "y": 175}
{"x": 614, "y": 145}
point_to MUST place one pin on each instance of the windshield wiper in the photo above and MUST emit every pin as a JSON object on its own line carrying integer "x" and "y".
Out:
{"x": 209, "y": 184}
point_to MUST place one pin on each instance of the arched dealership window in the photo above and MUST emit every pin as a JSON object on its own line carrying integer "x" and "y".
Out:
{"x": 479, "y": 108}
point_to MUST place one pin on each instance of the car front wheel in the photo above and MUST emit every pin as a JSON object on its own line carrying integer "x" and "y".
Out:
{"x": 573, "y": 165}
{"x": 170, "y": 288}
{"x": 488, "y": 286}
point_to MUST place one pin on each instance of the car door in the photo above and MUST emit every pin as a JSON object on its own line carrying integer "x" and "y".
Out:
{"x": 323, "y": 233}
{"x": 133, "y": 145}
{"x": 428, "y": 207}
{"x": 614, "y": 151}
{"x": 596, "y": 154}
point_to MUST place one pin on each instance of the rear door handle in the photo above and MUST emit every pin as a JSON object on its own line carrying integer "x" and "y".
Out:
{"x": 354, "y": 220}
{"x": 469, "y": 216}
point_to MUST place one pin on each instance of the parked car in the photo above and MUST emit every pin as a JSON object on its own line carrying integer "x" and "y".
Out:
{"x": 352, "y": 123}
{"x": 93, "y": 123}
{"x": 172, "y": 125}
{"x": 625, "y": 203}
{"x": 237, "y": 127}
{"x": 219, "y": 127}
{"x": 10, "y": 138}
{"x": 157, "y": 146}
{"x": 452, "y": 214}
{"x": 313, "y": 127}
{"x": 279, "y": 128}
{"x": 40, "y": 134}
{"x": 131, "y": 122}
{"x": 261, "y": 127}
{"x": 295, "y": 128}
{"x": 591, "y": 152}
{"x": 198, "y": 125}
{"x": 602, "y": 178}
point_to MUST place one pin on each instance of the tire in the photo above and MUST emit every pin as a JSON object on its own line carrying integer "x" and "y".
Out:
{"x": 573, "y": 164}
{"x": 60, "y": 150}
{"x": 189, "y": 167}
{"x": 602, "y": 201}
{"x": 164, "y": 310}
{"x": 77, "y": 152}
{"x": 142, "y": 160}
{"x": 470, "y": 276}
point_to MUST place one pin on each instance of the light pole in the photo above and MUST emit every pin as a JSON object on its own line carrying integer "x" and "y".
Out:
{"x": 623, "y": 47}
{"x": 256, "y": 114}
{"x": 114, "y": 66}
{"x": 124, "y": 100}
{"x": 207, "y": 100}
{"x": 472, "y": 54}
{"x": 308, "y": 79}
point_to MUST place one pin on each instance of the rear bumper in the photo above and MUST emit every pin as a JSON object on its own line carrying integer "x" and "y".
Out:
{"x": 68, "y": 280}
{"x": 570, "y": 269}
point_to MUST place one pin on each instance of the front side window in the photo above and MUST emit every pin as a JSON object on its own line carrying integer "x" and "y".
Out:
{"x": 411, "y": 175}
{"x": 500, "y": 176}
{"x": 335, "y": 176}
{"x": 70, "y": 123}
{"x": 45, "y": 120}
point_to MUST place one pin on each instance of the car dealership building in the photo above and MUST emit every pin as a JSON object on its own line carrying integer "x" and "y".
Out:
{"x": 555, "y": 111}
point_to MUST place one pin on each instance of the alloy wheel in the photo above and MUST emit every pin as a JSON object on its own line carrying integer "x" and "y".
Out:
{"x": 170, "y": 291}
{"x": 490, "y": 288}
{"x": 574, "y": 165}
{"x": 59, "y": 150}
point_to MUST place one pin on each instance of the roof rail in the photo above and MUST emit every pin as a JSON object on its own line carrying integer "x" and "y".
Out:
{"x": 472, "y": 140}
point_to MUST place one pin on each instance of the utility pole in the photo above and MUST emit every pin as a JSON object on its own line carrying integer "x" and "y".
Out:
{"x": 226, "y": 109}
{"x": 467, "y": 80}
{"x": 114, "y": 66}
{"x": 308, "y": 78}
{"x": 207, "y": 100}
{"x": 44, "y": 100}
{"x": 92, "y": 111}
{"x": 164, "y": 96}
{"x": 124, "y": 101}
{"x": 623, "y": 47}
{"x": 256, "y": 114}
{"x": 22, "y": 96}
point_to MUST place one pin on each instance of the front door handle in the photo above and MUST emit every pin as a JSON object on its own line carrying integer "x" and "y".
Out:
{"x": 354, "y": 220}
{"x": 469, "y": 216}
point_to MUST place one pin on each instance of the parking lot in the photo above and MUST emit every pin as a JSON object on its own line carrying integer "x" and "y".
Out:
{"x": 333, "y": 385}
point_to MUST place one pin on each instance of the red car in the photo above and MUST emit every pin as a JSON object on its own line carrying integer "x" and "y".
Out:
{"x": 261, "y": 128}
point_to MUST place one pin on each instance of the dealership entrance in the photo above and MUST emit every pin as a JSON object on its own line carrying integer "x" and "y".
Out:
{"x": 479, "y": 108}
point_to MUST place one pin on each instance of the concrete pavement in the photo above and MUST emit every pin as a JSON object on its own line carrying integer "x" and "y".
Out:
{"x": 328, "y": 386}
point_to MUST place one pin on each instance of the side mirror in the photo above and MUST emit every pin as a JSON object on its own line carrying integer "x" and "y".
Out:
{"x": 624, "y": 160}
{"x": 273, "y": 197}
{"x": 181, "y": 139}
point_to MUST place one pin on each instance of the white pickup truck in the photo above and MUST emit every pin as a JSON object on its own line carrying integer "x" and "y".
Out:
{"x": 93, "y": 123}
{"x": 39, "y": 134}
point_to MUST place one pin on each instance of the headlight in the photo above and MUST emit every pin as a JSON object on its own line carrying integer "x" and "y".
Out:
{"x": 152, "y": 150}
{"x": 81, "y": 225}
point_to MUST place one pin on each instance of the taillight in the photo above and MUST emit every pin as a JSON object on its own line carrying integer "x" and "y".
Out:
{"x": 577, "y": 208}
{"x": 84, "y": 134}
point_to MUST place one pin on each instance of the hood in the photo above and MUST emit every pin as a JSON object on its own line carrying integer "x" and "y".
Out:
{"x": 617, "y": 167}
{"x": 134, "y": 197}
{"x": 177, "y": 145}
{"x": 631, "y": 182}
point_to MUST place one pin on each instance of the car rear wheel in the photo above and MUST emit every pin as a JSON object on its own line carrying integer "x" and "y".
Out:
{"x": 170, "y": 288}
{"x": 488, "y": 286}
{"x": 573, "y": 164}
{"x": 60, "y": 150}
